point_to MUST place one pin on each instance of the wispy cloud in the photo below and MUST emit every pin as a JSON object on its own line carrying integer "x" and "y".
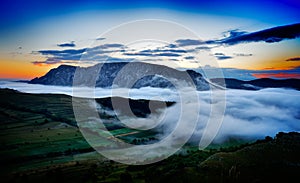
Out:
{"x": 243, "y": 54}
{"x": 272, "y": 35}
{"x": 62, "y": 53}
{"x": 71, "y": 44}
{"x": 222, "y": 56}
{"x": 188, "y": 42}
{"x": 51, "y": 61}
{"x": 47, "y": 61}
{"x": 102, "y": 52}
{"x": 233, "y": 37}
{"x": 202, "y": 48}
{"x": 97, "y": 53}
{"x": 153, "y": 54}
{"x": 163, "y": 52}
{"x": 294, "y": 59}
{"x": 189, "y": 57}
{"x": 100, "y": 38}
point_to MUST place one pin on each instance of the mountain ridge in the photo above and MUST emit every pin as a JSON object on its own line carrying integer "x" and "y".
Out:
{"x": 154, "y": 76}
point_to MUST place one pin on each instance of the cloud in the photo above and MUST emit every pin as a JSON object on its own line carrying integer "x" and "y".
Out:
{"x": 153, "y": 54}
{"x": 222, "y": 56}
{"x": 159, "y": 50}
{"x": 164, "y": 52}
{"x": 100, "y": 38}
{"x": 106, "y": 46}
{"x": 101, "y": 52}
{"x": 248, "y": 114}
{"x": 71, "y": 44}
{"x": 71, "y": 52}
{"x": 50, "y": 61}
{"x": 190, "y": 57}
{"x": 171, "y": 50}
{"x": 202, "y": 48}
{"x": 97, "y": 53}
{"x": 243, "y": 54}
{"x": 233, "y": 37}
{"x": 172, "y": 46}
{"x": 61, "y": 52}
{"x": 272, "y": 35}
{"x": 168, "y": 54}
{"x": 138, "y": 54}
{"x": 188, "y": 42}
{"x": 233, "y": 33}
{"x": 294, "y": 59}
{"x": 39, "y": 63}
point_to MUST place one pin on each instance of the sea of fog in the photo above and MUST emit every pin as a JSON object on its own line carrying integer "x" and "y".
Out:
{"x": 252, "y": 114}
{"x": 143, "y": 93}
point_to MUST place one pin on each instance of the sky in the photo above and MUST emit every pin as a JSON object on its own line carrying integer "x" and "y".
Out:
{"x": 248, "y": 38}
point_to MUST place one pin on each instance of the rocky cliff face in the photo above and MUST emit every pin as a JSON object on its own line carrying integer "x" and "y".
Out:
{"x": 134, "y": 74}
{"x": 63, "y": 76}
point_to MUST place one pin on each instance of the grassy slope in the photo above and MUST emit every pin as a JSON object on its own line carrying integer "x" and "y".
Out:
{"x": 37, "y": 131}
{"x": 275, "y": 160}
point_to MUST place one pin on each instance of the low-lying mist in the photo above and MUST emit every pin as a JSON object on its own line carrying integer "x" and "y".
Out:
{"x": 248, "y": 114}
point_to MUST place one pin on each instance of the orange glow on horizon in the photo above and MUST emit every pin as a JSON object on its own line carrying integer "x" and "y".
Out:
{"x": 266, "y": 64}
{"x": 22, "y": 69}
{"x": 277, "y": 75}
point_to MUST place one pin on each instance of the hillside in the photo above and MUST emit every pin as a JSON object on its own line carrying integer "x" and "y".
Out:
{"x": 40, "y": 141}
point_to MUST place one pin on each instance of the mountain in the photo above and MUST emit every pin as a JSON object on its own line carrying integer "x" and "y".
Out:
{"x": 258, "y": 83}
{"x": 62, "y": 75}
{"x": 109, "y": 74}
{"x": 128, "y": 75}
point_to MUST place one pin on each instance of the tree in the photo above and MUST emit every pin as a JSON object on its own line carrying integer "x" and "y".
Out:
{"x": 125, "y": 177}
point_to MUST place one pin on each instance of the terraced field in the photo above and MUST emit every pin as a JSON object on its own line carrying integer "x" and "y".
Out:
{"x": 39, "y": 132}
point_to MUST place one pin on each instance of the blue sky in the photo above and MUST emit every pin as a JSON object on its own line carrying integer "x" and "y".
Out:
{"x": 18, "y": 12}
{"x": 31, "y": 28}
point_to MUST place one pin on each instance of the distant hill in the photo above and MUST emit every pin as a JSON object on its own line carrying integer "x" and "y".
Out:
{"x": 258, "y": 83}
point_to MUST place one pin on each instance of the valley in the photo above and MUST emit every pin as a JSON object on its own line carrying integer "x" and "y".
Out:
{"x": 40, "y": 139}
